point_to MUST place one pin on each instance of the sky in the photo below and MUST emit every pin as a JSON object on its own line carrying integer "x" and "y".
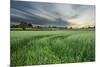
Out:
{"x": 56, "y": 14}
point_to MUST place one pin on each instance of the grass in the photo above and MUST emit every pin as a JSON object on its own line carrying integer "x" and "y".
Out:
{"x": 51, "y": 47}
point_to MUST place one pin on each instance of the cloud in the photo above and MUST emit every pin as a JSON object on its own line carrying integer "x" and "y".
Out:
{"x": 50, "y": 13}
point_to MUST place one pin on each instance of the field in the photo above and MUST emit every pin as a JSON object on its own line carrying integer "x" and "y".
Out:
{"x": 52, "y": 47}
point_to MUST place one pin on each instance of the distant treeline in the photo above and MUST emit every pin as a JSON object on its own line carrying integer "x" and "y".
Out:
{"x": 28, "y": 27}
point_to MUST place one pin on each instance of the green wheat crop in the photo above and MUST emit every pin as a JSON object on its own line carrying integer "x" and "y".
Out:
{"x": 51, "y": 47}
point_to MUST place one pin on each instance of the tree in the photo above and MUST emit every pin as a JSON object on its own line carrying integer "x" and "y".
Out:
{"x": 23, "y": 25}
{"x": 89, "y": 27}
{"x": 71, "y": 28}
{"x": 29, "y": 25}
{"x": 38, "y": 26}
{"x": 94, "y": 27}
{"x": 54, "y": 27}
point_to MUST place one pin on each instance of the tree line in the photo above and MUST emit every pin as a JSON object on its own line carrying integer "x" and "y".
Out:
{"x": 25, "y": 25}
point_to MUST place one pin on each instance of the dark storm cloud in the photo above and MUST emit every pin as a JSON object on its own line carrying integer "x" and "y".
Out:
{"x": 45, "y": 13}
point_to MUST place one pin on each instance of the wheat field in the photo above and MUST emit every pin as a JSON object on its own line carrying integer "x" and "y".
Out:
{"x": 51, "y": 47}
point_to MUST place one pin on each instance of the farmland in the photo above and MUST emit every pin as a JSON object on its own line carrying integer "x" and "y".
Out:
{"x": 52, "y": 47}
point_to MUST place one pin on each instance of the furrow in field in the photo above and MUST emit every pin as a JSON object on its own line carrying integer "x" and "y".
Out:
{"x": 55, "y": 36}
{"x": 48, "y": 42}
{"x": 41, "y": 44}
{"x": 28, "y": 46}
{"x": 62, "y": 35}
{"x": 24, "y": 42}
{"x": 57, "y": 43}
